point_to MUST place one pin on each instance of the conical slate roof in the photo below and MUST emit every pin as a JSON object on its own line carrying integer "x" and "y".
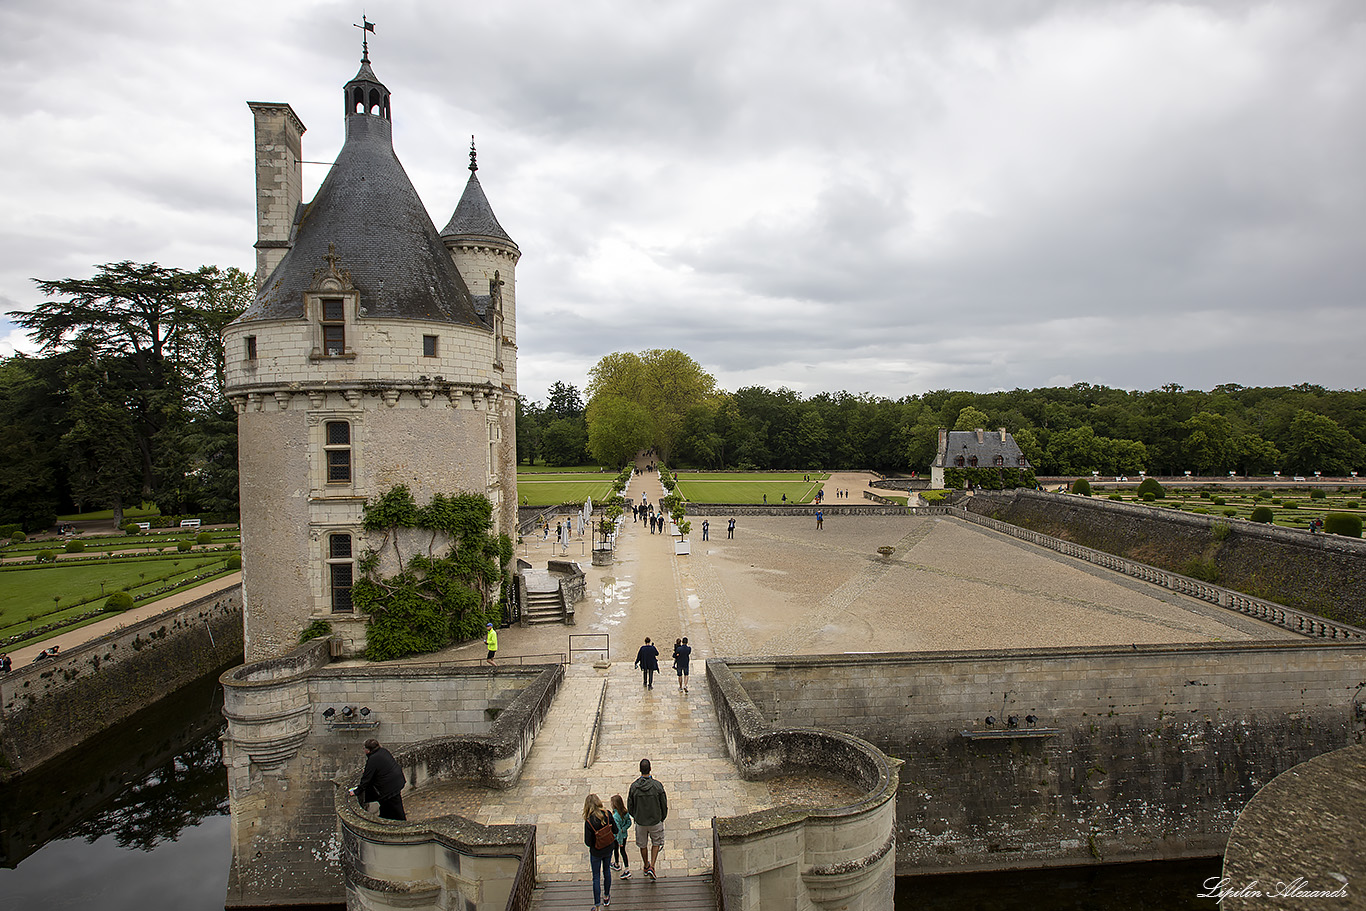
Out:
{"x": 367, "y": 207}
{"x": 474, "y": 216}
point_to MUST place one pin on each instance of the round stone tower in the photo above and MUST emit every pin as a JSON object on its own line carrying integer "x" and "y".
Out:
{"x": 364, "y": 362}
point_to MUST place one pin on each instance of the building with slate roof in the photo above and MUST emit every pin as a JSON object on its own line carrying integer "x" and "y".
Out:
{"x": 378, "y": 351}
{"x": 975, "y": 449}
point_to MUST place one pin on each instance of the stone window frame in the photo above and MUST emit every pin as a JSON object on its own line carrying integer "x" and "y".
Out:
{"x": 250, "y": 346}
{"x": 318, "y": 446}
{"x": 430, "y": 346}
{"x": 339, "y": 567}
{"x": 495, "y": 437}
{"x": 333, "y": 447}
{"x": 325, "y": 318}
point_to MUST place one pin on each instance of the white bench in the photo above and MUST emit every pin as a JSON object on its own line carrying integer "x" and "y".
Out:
{"x": 189, "y": 523}
{"x": 144, "y": 526}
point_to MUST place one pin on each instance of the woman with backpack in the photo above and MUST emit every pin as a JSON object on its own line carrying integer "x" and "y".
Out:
{"x": 600, "y": 837}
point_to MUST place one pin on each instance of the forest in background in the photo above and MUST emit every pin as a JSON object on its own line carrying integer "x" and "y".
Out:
{"x": 124, "y": 405}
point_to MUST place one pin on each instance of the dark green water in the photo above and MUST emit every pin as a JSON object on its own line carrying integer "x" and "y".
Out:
{"x": 136, "y": 820}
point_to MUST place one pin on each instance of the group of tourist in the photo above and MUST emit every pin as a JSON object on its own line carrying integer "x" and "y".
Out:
{"x": 604, "y": 832}
{"x": 647, "y": 661}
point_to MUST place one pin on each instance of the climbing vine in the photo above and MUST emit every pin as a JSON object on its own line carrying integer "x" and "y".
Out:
{"x": 452, "y": 583}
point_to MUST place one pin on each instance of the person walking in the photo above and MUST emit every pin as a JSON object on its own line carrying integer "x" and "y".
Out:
{"x": 706, "y": 529}
{"x": 382, "y": 780}
{"x": 621, "y": 858}
{"x": 647, "y": 659}
{"x": 730, "y": 529}
{"x": 682, "y": 656}
{"x": 599, "y": 835}
{"x": 648, "y": 805}
{"x": 820, "y": 520}
{"x": 491, "y": 640}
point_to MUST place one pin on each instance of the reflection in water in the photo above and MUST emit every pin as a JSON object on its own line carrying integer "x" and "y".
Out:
{"x": 137, "y": 815}
{"x": 1165, "y": 886}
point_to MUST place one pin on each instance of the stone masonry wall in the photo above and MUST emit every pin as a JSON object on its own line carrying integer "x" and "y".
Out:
{"x": 1138, "y": 753}
{"x": 49, "y": 708}
{"x": 1320, "y": 574}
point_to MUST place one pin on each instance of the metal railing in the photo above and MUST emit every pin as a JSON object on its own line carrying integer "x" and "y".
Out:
{"x": 605, "y": 648}
{"x": 524, "y": 883}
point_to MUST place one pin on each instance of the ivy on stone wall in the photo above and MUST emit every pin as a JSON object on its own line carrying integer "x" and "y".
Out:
{"x": 988, "y": 478}
{"x": 446, "y": 592}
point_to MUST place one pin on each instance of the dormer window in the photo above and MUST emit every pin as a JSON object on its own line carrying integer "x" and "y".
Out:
{"x": 1000, "y": 460}
{"x": 334, "y": 326}
{"x": 958, "y": 461}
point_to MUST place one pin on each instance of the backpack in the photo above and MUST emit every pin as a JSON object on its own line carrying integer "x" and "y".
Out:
{"x": 603, "y": 838}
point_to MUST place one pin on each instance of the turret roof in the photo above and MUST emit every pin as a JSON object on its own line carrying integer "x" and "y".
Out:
{"x": 368, "y": 208}
{"x": 473, "y": 215}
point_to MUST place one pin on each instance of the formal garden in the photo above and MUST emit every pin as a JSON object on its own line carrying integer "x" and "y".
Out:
{"x": 1291, "y": 507}
{"x": 56, "y": 584}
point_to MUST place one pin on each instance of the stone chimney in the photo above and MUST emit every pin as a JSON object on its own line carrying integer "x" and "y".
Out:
{"x": 981, "y": 435}
{"x": 279, "y": 182}
{"x": 1003, "y": 434}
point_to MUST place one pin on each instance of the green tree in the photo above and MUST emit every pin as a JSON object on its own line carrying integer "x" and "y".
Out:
{"x": 971, "y": 418}
{"x": 564, "y": 442}
{"x": 618, "y": 428}
{"x": 665, "y": 382}
{"x": 1318, "y": 443}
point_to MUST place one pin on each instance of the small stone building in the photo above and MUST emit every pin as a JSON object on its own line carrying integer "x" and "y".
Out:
{"x": 975, "y": 449}
{"x": 378, "y": 351}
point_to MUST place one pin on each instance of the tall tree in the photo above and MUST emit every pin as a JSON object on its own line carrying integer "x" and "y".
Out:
{"x": 148, "y": 340}
{"x": 666, "y": 383}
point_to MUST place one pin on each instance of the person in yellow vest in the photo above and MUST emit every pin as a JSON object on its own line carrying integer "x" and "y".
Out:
{"x": 492, "y": 640}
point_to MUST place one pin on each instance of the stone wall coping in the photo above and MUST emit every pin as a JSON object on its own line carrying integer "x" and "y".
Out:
{"x": 410, "y": 671}
{"x": 762, "y": 751}
{"x": 978, "y": 656}
{"x": 803, "y": 509}
{"x": 286, "y": 668}
{"x": 475, "y": 757}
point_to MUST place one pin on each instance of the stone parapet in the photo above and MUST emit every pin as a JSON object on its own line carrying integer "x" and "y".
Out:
{"x": 803, "y": 857}
{"x": 1133, "y": 753}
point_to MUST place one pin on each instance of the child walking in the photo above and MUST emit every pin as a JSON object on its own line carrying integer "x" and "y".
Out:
{"x": 620, "y": 856}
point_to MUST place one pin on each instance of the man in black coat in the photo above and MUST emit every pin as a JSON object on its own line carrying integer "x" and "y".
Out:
{"x": 647, "y": 659}
{"x": 382, "y": 780}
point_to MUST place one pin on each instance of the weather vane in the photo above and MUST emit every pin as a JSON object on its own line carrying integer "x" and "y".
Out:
{"x": 365, "y": 26}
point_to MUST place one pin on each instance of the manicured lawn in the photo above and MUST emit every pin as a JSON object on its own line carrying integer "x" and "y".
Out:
{"x": 564, "y": 469}
{"x": 754, "y": 491}
{"x": 30, "y": 590}
{"x": 551, "y": 493}
{"x": 752, "y": 476}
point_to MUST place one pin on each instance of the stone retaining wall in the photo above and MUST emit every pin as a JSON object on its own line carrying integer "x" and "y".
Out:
{"x": 1320, "y": 574}
{"x": 810, "y": 857}
{"x": 805, "y": 509}
{"x": 51, "y": 707}
{"x": 1138, "y": 753}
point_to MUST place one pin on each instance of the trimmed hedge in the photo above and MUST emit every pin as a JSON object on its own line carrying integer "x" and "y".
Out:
{"x": 1262, "y": 514}
{"x": 1150, "y": 486}
{"x": 1082, "y": 486}
{"x": 118, "y": 601}
{"x": 75, "y": 547}
{"x": 1342, "y": 523}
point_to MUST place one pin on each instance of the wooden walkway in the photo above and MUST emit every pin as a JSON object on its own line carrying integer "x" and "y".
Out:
{"x": 639, "y": 893}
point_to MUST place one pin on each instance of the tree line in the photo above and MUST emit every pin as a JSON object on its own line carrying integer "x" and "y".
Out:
{"x": 664, "y": 400}
{"x": 124, "y": 402}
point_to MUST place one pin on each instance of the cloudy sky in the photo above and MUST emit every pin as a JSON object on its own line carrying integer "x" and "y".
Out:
{"x": 884, "y": 197}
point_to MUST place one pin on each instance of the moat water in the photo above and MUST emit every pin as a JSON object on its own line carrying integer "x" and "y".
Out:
{"x": 136, "y": 820}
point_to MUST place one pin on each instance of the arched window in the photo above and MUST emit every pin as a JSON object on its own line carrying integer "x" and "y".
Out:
{"x": 973, "y": 461}
{"x": 340, "y": 572}
{"x": 1000, "y": 460}
{"x": 958, "y": 461}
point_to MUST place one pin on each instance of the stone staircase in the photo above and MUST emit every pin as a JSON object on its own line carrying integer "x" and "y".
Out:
{"x": 543, "y": 607}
